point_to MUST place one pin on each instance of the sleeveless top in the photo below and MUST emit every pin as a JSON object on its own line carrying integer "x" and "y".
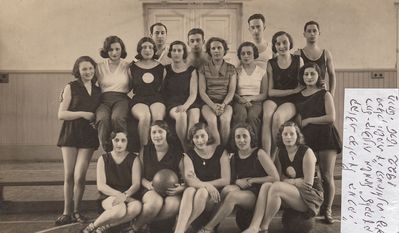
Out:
{"x": 285, "y": 79}
{"x": 80, "y": 98}
{"x": 118, "y": 176}
{"x": 151, "y": 165}
{"x": 176, "y": 86}
{"x": 297, "y": 163}
{"x": 248, "y": 167}
{"x": 146, "y": 82}
{"x": 217, "y": 82}
{"x": 250, "y": 84}
{"x": 207, "y": 169}
{"x": 311, "y": 106}
{"x": 118, "y": 81}
{"x": 321, "y": 61}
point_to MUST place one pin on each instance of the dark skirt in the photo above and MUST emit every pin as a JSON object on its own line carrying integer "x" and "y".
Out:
{"x": 322, "y": 137}
{"x": 78, "y": 133}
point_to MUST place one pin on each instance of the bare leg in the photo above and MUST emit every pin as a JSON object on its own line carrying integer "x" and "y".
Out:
{"x": 241, "y": 198}
{"x": 193, "y": 117}
{"x": 82, "y": 163}
{"x": 225, "y": 124}
{"x": 200, "y": 200}
{"x": 186, "y": 208}
{"x": 69, "y": 156}
{"x": 142, "y": 113}
{"x": 211, "y": 119}
{"x": 181, "y": 125}
{"x": 170, "y": 208}
{"x": 327, "y": 164}
{"x": 283, "y": 114}
{"x": 278, "y": 192}
{"x": 269, "y": 107}
{"x": 111, "y": 214}
{"x": 152, "y": 205}
{"x": 132, "y": 210}
{"x": 157, "y": 111}
{"x": 260, "y": 208}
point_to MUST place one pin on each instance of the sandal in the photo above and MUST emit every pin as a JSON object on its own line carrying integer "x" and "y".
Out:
{"x": 103, "y": 229}
{"x": 63, "y": 220}
{"x": 328, "y": 217}
{"x": 77, "y": 217}
{"x": 89, "y": 228}
{"x": 203, "y": 230}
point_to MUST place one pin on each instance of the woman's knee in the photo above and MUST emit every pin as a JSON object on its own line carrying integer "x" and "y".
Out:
{"x": 276, "y": 188}
{"x": 134, "y": 208}
{"x": 202, "y": 194}
{"x": 119, "y": 211}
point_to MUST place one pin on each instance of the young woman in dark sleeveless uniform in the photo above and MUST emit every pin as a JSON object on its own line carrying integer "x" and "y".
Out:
{"x": 155, "y": 156}
{"x": 206, "y": 171}
{"x": 78, "y": 139}
{"x": 282, "y": 72}
{"x": 118, "y": 180}
{"x": 251, "y": 168}
{"x": 180, "y": 90}
{"x": 298, "y": 188}
{"x": 147, "y": 76}
{"x": 316, "y": 111}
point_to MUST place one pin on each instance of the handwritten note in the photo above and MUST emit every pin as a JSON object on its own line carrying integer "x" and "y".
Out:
{"x": 370, "y": 164}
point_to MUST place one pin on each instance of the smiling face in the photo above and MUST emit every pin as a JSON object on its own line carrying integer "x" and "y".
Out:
{"x": 86, "y": 71}
{"x": 119, "y": 142}
{"x": 147, "y": 50}
{"x": 158, "y": 135}
{"x": 247, "y": 55}
{"x": 289, "y": 136}
{"x": 311, "y": 33}
{"x": 256, "y": 28}
{"x": 200, "y": 138}
{"x": 115, "y": 51}
{"x": 310, "y": 76}
{"x": 177, "y": 52}
{"x": 196, "y": 42}
{"x": 242, "y": 139}
{"x": 282, "y": 44}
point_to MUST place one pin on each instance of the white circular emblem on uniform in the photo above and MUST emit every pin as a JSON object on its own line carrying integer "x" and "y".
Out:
{"x": 148, "y": 78}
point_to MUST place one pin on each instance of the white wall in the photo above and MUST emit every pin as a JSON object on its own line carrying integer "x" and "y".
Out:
{"x": 51, "y": 34}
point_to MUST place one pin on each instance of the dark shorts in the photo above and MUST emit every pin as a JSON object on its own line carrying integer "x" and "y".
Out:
{"x": 147, "y": 100}
{"x": 282, "y": 100}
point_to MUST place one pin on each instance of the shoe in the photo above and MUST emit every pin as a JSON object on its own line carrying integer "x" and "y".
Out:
{"x": 63, "y": 220}
{"x": 203, "y": 230}
{"x": 89, "y": 228}
{"x": 77, "y": 217}
{"x": 328, "y": 216}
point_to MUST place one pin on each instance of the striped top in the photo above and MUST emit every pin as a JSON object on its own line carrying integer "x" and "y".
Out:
{"x": 217, "y": 82}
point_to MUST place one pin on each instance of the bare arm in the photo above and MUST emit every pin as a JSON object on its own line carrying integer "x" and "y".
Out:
{"x": 146, "y": 183}
{"x": 136, "y": 177}
{"x": 268, "y": 166}
{"x": 232, "y": 89}
{"x": 309, "y": 166}
{"x": 329, "y": 118}
{"x": 102, "y": 180}
{"x": 331, "y": 73}
{"x": 65, "y": 114}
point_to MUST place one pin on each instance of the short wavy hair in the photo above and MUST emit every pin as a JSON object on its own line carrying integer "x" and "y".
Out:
{"x": 300, "y": 140}
{"x": 198, "y": 126}
{"x": 178, "y": 42}
{"x": 242, "y": 125}
{"x": 163, "y": 125}
{"x": 248, "y": 44}
{"x": 158, "y": 24}
{"x": 319, "y": 82}
{"x": 213, "y": 39}
{"x": 257, "y": 16}
{"x": 107, "y": 46}
{"x": 140, "y": 44}
{"x": 280, "y": 33}
{"x": 75, "y": 69}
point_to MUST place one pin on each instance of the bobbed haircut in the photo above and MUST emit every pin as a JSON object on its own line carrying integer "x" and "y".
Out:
{"x": 115, "y": 132}
{"x": 248, "y": 44}
{"x": 158, "y": 24}
{"x": 198, "y": 126}
{"x": 257, "y": 16}
{"x": 107, "y": 46}
{"x": 163, "y": 125}
{"x": 75, "y": 69}
{"x": 178, "y": 42}
{"x": 213, "y": 39}
{"x": 242, "y": 125}
{"x": 300, "y": 140}
{"x": 311, "y": 23}
{"x": 194, "y": 31}
{"x": 302, "y": 72}
{"x": 140, "y": 47}
{"x": 281, "y": 33}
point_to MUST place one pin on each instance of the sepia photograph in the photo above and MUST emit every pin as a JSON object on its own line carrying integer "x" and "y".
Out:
{"x": 190, "y": 116}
